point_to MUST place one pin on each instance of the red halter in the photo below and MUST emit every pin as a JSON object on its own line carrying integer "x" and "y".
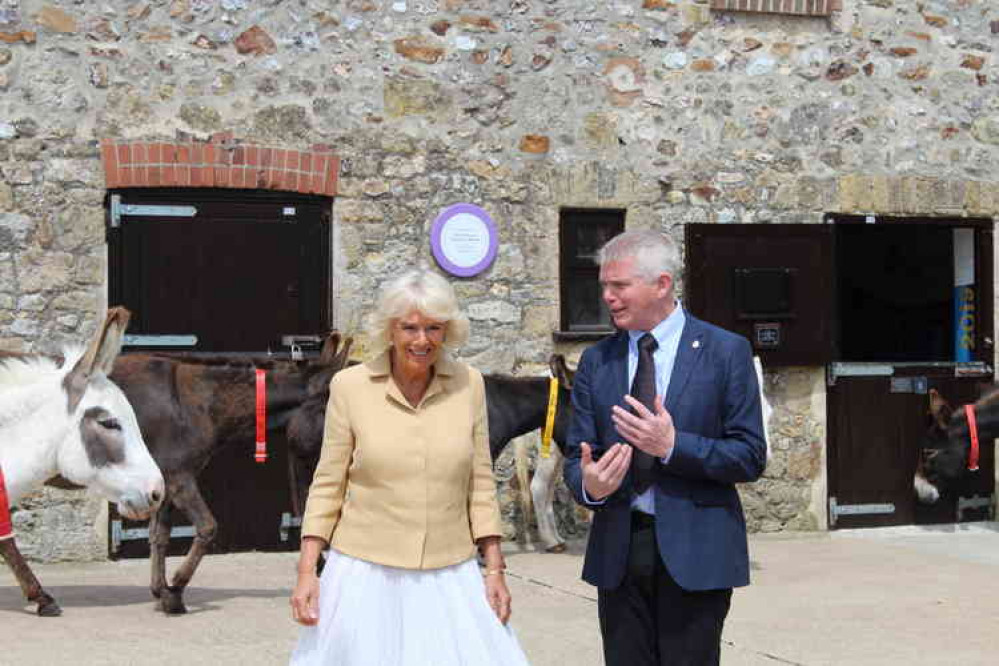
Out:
{"x": 969, "y": 411}
{"x": 260, "y": 452}
{"x": 6, "y": 529}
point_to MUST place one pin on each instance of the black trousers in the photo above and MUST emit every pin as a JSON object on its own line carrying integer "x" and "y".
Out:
{"x": 650, "y": 620}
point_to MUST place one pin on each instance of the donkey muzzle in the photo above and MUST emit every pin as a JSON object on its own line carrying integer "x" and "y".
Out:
{"x": 140, "y": 504}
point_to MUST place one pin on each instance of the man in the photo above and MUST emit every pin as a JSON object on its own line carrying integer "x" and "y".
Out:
{"x": 667, "y": 420}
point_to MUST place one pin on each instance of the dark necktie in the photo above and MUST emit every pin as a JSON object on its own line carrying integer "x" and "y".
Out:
{"x": 643, "y": 389}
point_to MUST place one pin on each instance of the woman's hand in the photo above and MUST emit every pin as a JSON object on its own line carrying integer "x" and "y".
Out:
{"x": 305, "y": 599}
{"x": 496, "y": 593}
{"x": 498, "y": 596}
{"x": 305, "y": 596}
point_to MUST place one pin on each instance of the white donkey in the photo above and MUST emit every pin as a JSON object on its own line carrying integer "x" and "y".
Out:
{"x": 70, "y": 421}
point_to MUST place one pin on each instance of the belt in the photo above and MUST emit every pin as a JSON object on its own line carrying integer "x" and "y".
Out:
{"x": 642, "y": 521}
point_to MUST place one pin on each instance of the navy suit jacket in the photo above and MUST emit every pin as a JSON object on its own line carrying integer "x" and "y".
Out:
{"x": 714, "y": 399}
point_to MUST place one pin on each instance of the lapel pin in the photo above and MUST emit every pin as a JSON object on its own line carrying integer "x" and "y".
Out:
{"x": 697, "y": 343}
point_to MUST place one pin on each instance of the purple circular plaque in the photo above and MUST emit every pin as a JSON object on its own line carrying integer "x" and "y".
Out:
{"x": 464, "y": 240}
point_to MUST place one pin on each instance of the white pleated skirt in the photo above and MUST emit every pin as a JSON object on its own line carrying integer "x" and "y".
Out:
{"x": 374, "y": 615}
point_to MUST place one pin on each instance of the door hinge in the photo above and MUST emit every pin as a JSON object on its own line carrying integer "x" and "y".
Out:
{"x": 121, "y": 534}
{"x": 167, "y": 340}
{"x": 288, "y": 521}
{"x": 976, "y": 502}
{"x": 840, "y": 369}
{"x": 836, "y": 510}
{"x": 118, "y": 209}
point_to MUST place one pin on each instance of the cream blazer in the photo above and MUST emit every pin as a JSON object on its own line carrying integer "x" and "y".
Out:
{"x": 403, "y": 486}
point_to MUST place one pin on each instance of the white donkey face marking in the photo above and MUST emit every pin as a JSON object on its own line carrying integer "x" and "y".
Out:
{"x": 105, "y": 450}
{"x": 925, "y": 491}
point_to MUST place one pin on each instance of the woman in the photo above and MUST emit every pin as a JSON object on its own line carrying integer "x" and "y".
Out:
{"x": 402, "y": 495}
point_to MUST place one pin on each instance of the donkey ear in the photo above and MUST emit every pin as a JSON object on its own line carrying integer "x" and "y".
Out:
{"x": 330, "y": 344}
{"x": 100, "y": 355}
{"x": 940, "y": 409}
{"x": 340, "y": 361}
{"x": 111, "y": 338}
{"x": 561, "y": 371}
{"x": 106, "y": 345}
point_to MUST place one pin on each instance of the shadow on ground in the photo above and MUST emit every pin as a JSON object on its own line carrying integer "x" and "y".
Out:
{"x": 198, "y": 599}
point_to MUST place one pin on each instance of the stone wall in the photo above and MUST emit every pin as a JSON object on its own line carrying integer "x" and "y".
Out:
{"x": 60, "y": 525}
{"x": 668, "y": 109}
{"x": 791, "y": 495}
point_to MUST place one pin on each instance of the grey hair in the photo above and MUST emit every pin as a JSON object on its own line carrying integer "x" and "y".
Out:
{"x": 429, "y": 294}
{"x": 654, "y": 253}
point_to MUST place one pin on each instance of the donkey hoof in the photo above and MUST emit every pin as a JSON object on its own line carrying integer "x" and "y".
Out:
{"x": 172, "y": 601}
{"x": 48, "y": 608}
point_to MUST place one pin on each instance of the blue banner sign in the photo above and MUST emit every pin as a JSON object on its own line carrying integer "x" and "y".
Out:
{"x": 964, "y": 324}
{"x": 964, "y": 295}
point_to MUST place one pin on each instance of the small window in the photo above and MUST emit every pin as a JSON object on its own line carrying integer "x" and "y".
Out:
{"x": 799, "y": 7}
{"x": 581, "y": 233}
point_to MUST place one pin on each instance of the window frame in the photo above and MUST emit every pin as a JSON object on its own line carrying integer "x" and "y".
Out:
{"x": 576, "y": 267}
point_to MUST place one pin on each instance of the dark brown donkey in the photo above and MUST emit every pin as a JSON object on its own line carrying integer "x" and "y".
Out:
{"x": 945, "y": 458}
{"x": 188, "y": 406}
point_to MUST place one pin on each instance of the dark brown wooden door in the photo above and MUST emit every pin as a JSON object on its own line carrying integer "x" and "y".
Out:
{"x": 875, "y": 426}
{"x": 247, "y": 269}
{"x": 873, "y": 435}
{"x": 771, "y": 283}
{"x": 239, "y": 274}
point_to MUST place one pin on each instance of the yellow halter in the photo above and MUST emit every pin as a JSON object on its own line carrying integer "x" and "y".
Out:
{"x": 546, "y": 437}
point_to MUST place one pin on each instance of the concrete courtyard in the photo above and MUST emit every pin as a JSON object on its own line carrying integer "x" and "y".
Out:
{"x": 861, "y": 597}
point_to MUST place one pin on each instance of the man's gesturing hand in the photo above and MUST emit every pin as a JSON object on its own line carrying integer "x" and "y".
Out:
{"x": 652, "y": 432}
{"x": 604, "y": 476}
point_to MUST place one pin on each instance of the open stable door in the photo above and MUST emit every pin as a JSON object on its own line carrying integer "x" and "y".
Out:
{"x": 914, "y": 304}
{"x": 891, "y": 307}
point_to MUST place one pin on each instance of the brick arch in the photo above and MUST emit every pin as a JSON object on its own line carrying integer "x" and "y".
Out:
{"x": 220, "y": 163}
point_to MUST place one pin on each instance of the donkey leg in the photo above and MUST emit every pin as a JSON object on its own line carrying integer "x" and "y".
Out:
{"x": 304, "y": 468}
{"x": 543, "y": 493}
{"x": 296, "y": 506}
{"x": 32, "y": 589}
{"x": 189, "y": 499}
{"x": 159, "y": 543}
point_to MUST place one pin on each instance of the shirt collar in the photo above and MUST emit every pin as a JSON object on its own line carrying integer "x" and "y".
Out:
{"x": 444, "y": 367}
{"x": 668, "y": 328}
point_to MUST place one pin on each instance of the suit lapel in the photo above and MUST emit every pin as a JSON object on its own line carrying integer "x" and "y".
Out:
{"x": 691, "y": 346}
{"x": 611, "y": 383}
{"x": 614, "y": 386}
{"x": 617, "y": 382}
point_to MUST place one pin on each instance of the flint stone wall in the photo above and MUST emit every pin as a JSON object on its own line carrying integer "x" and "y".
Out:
{"x": 670, "y": 110}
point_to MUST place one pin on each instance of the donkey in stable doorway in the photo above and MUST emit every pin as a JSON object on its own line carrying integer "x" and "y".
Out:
{"x": 69, "y": 424}
{"x": 516, "y": 406}
{"x": 949, "y": 448}
{"x": 188, "y": 406}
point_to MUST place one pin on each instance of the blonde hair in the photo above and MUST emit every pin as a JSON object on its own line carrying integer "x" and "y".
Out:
{"x": 429, "y": 294}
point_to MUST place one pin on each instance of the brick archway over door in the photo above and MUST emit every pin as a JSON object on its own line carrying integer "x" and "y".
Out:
{"x": 222, "y": 164}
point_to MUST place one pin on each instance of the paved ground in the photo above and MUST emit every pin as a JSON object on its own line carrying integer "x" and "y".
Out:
{"x": 889, "y": 596}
